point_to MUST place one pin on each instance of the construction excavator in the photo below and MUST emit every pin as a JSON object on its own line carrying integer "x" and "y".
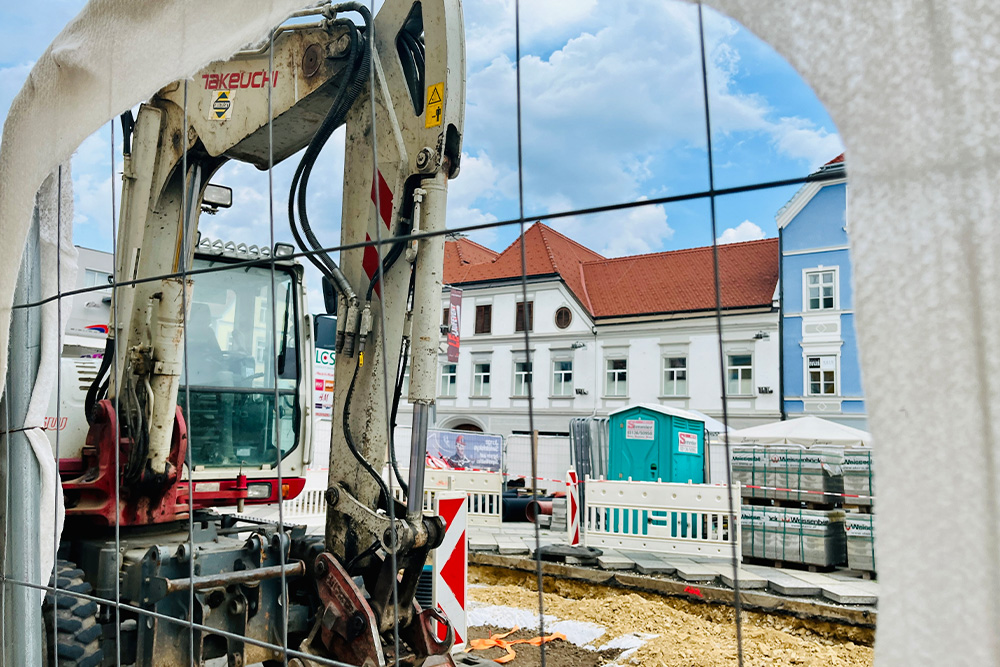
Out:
{"x": 201, "y": 401}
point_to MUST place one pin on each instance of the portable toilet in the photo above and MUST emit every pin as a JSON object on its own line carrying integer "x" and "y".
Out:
{"x": 656, "y": 442}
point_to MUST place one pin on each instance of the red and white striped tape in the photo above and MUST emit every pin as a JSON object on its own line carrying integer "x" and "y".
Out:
{"x": 809, "y": 491}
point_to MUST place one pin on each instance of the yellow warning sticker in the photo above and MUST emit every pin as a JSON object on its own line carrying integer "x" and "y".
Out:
{"x": 222, "y": 104}
{"x": 435, "y": 104}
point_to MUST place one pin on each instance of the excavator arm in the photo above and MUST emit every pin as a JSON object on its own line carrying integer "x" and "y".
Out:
{"x": 397, "y": 82}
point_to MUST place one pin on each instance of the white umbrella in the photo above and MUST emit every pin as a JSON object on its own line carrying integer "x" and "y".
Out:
{"x": 806, "y": 431}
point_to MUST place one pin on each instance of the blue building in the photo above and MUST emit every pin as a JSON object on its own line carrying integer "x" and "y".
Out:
{"x": 821, "y": 373}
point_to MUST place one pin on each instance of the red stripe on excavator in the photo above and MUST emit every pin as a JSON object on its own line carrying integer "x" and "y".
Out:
{"x": 369, "y": 262}
{"x": 384, "y": 199}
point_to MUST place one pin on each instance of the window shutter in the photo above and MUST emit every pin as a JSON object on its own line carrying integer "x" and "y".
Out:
{"x": 484, "y": 319}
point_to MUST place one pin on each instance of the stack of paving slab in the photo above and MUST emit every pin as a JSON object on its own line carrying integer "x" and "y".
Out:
{"x": 809, "y": 537}
{"x": 790, "y": 472}
{"x": 859, "y": 479}
{"x": 558, "y": 515}
{"x": 860, "y": 529}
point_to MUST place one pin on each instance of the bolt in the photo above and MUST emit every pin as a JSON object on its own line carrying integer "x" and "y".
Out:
{"x": 332, "y": 496}
{"x": 320, "y": 568}
{"x": 237, "y": 607}
{"x": 425, "y": 158}
{"x": 355, "y": 626}
{"x": 340, "y": 47}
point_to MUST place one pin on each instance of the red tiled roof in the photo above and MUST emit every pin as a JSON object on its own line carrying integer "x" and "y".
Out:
{"x": 547, "y": 252}
{"x": 684, "y": 280}
{"x": 460, "y": 254}
{"x": 675, "y": 281}
{"x": 839, "y": 158}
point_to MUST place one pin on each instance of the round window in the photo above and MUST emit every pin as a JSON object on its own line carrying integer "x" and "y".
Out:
{"x": 563, "y": 317}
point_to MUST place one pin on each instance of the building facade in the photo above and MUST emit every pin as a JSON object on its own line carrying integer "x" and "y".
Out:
{"x": 605, "y": 334}
{"x": 821, "y": 372}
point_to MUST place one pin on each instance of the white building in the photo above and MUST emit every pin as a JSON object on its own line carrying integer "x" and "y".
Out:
{"x": 606, "y": 333}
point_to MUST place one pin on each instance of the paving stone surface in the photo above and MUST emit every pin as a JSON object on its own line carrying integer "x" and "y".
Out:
{"x": 649, "y": 563}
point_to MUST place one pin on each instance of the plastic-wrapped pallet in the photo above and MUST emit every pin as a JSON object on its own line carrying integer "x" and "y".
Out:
{"x": 749, "y": 466}
{"x": 860, "y": 529}
{"x": 810, "y": 537}
{"x": 859, "y": 478}
{"x": 789, "y": 472}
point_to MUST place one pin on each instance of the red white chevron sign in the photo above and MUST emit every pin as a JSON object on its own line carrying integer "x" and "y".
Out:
{"x": 451, "y": 563}
{"x": 573, "y": 508}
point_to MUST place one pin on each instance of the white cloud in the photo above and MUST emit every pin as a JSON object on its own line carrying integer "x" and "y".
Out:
{"x": 745, "y": 231}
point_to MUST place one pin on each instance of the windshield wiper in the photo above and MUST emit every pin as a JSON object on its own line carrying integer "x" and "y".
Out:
{"x": 284, "y": 333}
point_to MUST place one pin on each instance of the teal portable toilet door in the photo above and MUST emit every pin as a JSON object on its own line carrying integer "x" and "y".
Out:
{"x": 638, "y": 451}
{"x": 687, "y": 449}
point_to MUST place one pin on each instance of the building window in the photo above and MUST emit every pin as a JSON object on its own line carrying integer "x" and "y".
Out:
{"x": 564, "y": 316}
{"x": 822, "y": 375}
{"x": 406, "y": 380}
{"x": 562, "y": 378}
{"x": 522, "y": 377}
{"x": 740, "y": 374}
{"x": 616, "y": 379}
{"x": 524, "y": 317}
{"x": 484, "y": 319}
{"x": 821, "y": 290}
{"x": 675, "y": 376}
{"x": 446, "y": 317}
{"x": 481, "y": 379}
{"x": 449, "y": 380}
{"x": 92, "y": 278}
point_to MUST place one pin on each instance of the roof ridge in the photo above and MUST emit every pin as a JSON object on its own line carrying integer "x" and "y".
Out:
{"x": 517, "y": 239}
{"x": 679, "y": 251}
{"x": 586, "y": 292}
{"x": 478, "y": 245}
{"x": 548, "y": 248}
{"x": 566, "y": 238}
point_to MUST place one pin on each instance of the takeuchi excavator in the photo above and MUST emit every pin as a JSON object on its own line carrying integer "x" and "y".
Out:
{"x": 201, "y": 400}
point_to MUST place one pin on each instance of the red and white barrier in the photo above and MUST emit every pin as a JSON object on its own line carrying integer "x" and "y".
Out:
{"x": 573, "y": 508}
{"x": 451, "y": 563}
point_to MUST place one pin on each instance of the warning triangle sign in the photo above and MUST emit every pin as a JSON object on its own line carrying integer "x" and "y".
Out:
{"x": 435, "y": 97}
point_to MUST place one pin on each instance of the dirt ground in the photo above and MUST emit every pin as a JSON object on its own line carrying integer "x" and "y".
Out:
{"x": 690, "y": 634}
{"x": 557, "y": 653}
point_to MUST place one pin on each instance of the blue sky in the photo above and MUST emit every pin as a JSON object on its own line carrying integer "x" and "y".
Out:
{"x": 612, "y": 111}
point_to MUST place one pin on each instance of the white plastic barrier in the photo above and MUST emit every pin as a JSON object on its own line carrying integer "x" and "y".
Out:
{"x": 311, "y": 503}
{"x": 484, "y": 490}
{"x": 681, "y": 519}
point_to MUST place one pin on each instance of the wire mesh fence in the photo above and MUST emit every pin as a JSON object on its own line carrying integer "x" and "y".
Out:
{"x": 131, "y": 618}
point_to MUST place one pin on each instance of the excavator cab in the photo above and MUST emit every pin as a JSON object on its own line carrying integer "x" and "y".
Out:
{"x": 243, "y": 355}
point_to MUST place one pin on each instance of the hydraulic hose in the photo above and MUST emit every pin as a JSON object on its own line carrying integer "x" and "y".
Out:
{"x": 354, "y": 449}
{"x": 343, "y": 101}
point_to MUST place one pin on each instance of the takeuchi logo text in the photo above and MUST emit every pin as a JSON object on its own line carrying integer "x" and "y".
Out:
{"x": 232, "y": 80}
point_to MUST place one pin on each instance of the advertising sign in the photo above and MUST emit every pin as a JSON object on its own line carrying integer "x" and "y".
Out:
{"x": 454, "y": 324}
{"x": 687, "y": 443}
{"x": 639, "y": 429}
{"x": 323, "y": 377}
{"x": 464, "y": 450}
